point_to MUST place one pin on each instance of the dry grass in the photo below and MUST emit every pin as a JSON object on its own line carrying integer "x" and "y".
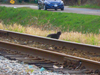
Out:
{"x": 92, "y": 39}
{"x": 82, "y": 38}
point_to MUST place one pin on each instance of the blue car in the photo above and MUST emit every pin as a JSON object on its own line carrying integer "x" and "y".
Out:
{"x": 50, "y": 4}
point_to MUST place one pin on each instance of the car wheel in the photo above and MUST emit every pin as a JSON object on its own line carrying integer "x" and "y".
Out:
{"x": 45, "y": 7}
{"x": 56, "y": 9}
{"x": 62, "y": 9}
{"x": 39, "y": 7}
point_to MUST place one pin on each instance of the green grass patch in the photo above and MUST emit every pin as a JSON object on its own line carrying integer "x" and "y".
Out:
{"x": 64, "y": 21}
{"x": 87, "y": 6}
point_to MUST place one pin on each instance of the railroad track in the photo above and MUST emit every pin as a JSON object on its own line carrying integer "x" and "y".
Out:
{"x": 75, "y": 49}
{"x": 67, "y": 61}
{"x": 47, "y": 59}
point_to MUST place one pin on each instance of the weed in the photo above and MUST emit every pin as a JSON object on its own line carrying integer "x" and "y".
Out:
{"x": 51, "y": 20}
{"x": 78, "y": 37}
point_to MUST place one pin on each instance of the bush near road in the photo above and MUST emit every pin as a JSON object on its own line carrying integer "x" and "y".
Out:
{"x": 49, "y": 20}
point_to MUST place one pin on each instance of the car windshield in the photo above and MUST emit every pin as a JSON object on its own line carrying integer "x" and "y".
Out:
{"x": 53, "y": 0}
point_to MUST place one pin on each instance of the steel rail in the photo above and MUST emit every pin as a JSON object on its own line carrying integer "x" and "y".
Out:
{"x": 50, "y": 55}
{"x": 61, "y": 43}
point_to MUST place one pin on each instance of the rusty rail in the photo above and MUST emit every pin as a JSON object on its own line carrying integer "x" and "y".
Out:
{"x": 61, "y": 43}
{"x": 50, "y": 55}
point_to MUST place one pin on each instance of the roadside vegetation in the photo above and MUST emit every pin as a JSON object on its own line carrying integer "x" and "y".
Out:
{"x": 51, "y": 20}
{"x": 19, "y": 1}
{"x": 76, "y": 27}
{"x": 86, "y": 6}
{"x": 93, "y": 39}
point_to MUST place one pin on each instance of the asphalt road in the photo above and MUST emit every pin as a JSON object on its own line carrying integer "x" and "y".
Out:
{"x": 67, "y": 9}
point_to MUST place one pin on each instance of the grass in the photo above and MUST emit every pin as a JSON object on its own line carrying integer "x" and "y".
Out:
{"x": 89, "y": 38}
{"x": 51, "y": 20}
{"x": 87, "y": 6}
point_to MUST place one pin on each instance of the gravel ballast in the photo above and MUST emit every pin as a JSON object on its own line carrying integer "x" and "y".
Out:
{"x": 13, "y": 67}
